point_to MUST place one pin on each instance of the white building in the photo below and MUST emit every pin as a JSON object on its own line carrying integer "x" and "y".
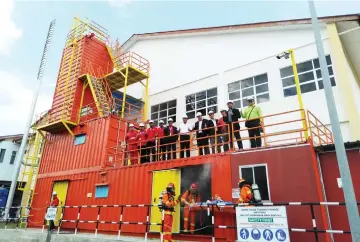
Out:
{"x": 200, "y": 69}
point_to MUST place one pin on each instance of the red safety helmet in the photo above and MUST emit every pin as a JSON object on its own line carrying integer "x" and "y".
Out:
{"x": 194, "y": 186}
{"x": 171, "y": 185}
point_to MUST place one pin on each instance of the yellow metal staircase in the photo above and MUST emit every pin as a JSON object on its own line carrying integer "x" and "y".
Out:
{"x": 29, "y": 172}
{"x": 99, "y": 91}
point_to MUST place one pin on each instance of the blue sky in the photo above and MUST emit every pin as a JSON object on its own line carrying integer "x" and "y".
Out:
{"x": 26, "y": 23}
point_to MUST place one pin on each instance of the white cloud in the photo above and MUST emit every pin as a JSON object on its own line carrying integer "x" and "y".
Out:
{"x": 9, "y": 31}
{"x": 15, "y": 103}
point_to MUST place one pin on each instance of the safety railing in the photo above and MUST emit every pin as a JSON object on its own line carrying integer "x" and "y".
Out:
{"x": 14, "y": 217}
{"x": 170, "y": 147}
{"x": 276, "y": 129}
{"x": 212, "y": 209}
{"x": 321, "y": 135}
{"x": 134, "y": 60}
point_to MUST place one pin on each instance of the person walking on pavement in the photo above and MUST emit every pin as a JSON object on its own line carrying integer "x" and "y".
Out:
{"x": 201, "y": 134}
{"x": 184, "y": 130}
{"x": 131, "y": 145}
{"x": 54, "y": 203}
{"x": 213, "y": 133}
{"x": 141, "y": 137}
{"x": 253, "y": 116}
{"x": 151, "y": 141}
{"x": 233, "y": 115}
{"x": 162, "y": 141}
{"x": 171, "y": 136}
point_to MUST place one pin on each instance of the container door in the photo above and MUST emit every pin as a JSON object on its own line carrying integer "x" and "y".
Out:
{"x": 61, "y": 188}
{"x": 159, "y": 183}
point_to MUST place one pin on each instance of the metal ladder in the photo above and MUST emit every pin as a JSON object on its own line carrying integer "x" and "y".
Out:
{"x": 101, "y": 96}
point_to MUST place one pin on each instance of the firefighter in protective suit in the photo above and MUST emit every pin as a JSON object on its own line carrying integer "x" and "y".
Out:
{"x": 246, "y": 195}
{"x": 188, "y": 199}
{"x": 168, "y": 204}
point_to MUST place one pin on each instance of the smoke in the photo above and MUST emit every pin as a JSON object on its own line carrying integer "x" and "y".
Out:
{"x": 205, "y": 174}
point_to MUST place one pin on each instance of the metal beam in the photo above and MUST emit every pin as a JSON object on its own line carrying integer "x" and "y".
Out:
{"x": 349, "y": 194}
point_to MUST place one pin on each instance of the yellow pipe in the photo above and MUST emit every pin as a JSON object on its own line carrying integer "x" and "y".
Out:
{"x": 124, "y": 95}
{"x": 67, "y": 127}
{"x": 146, "y": 99}
{"x": 298, "y": 91}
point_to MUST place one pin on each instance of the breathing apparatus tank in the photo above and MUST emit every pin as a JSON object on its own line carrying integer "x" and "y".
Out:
{"x": 256, "y": 193}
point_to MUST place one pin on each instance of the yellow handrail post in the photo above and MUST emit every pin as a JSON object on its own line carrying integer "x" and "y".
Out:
{"x": 146, "y": 99}
{"x": 298, "y": 91}
{"x": 124, "y": 95}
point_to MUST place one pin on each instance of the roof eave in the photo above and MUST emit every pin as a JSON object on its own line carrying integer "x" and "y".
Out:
{"x": 327, "y": 19}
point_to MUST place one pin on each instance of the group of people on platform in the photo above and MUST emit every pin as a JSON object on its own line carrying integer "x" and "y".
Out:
{"x": 216, "y": 134}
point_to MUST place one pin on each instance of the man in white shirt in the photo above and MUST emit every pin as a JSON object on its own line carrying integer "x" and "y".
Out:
{"x": 184, "y": 131}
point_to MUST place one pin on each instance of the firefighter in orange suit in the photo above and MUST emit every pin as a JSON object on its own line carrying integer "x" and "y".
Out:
{"x": 246, "y": 195}
{"x": 189, "y": 198}
{"x": 132, "y": 144}
{"x": 169, "y": 203}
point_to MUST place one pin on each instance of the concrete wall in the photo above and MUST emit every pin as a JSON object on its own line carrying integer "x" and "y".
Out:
{"x": 189, "y": 64}
{"x": 7, "y": 169}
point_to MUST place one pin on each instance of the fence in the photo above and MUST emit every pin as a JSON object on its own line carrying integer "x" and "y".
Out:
{"x": 277, "y": 129}
{"x": 209, "y": 207}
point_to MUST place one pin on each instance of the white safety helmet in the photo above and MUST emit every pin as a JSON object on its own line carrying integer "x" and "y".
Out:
{"x": 131, "y": 125}
{"x": 170, "y": 120}
{"x": 223, "y": 110}
{"x": 54, "y": 193}
{"x": 229, "y": 101}
{"x": 151, "y": 121}
{"x": 198, "y": 114}
{"x": 161, "y": 122}
{"x": 141, "y": 125}
{"x": 250, "y": 98}
{"x": 211, "y": 112}
{"x": 185, "y": 116}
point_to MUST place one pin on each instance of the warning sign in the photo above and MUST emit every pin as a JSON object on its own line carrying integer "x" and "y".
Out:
{"x": 262, "y": 224}
{"x": 51, "y": 214}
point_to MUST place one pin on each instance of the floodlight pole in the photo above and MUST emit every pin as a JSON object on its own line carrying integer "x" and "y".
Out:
{"x": 20, "y": 154}
{"x": 350, "y": 199}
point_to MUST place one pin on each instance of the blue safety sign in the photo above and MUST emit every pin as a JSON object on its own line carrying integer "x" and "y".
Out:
{"x": 255, "y": 234}
{"x": 280, "y": 235}
{"x": 268, "y": 234}
{"x": 244, "y": 234}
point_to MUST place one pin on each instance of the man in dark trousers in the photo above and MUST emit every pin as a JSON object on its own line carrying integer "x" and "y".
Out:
{"x": 254, "y": 123}
{"x": 201, "y": 127}
{"x": 162, "y": 141}
{"x": 171, "y": 137}
{"x": 233, "y": 116}
{"x": 54, "y": 203}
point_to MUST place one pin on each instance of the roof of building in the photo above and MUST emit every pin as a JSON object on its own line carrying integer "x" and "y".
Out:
{"x": 331, "y": 147}
{"x": 14, "y": 138}
{"x": 327, "y": 19}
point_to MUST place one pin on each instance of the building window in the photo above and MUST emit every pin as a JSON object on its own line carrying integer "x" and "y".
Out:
{"x": 85, "y": 111}
{"x": 2, "y": 155}
{"x": 41, "y": 146}
{"x": 102, "y": 191}
{"x": 13, "y": 155}
{"x": 201, "y": 102}
{"x": 309, "y": 77}
{"x": 164, "y": 111}
{"x": 80, "y": 139}
{"x": 257, "y": 174}
{"x": 256, "y": 87}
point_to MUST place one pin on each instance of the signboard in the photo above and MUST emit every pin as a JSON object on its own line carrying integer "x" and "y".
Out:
{"x": 51, "y": 214}
{"x": 262, "y": 224}
{"x": 235, "y": 193}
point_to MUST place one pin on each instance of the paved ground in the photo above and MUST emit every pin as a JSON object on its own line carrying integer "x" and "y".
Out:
{"x": 35, "y": 235}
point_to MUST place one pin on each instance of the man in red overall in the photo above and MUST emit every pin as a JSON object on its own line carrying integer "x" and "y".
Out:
{"x": 54, "y": 203}
{"x": 131, "y": 142}
{"x": 189, "y": 198}
{"x": 162, "y": 143}
{"x": 169, "y": 203}
{"x": 151, "y": 144}
{"x": 141, "y": 137}
{"x": 246, "y": 195}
